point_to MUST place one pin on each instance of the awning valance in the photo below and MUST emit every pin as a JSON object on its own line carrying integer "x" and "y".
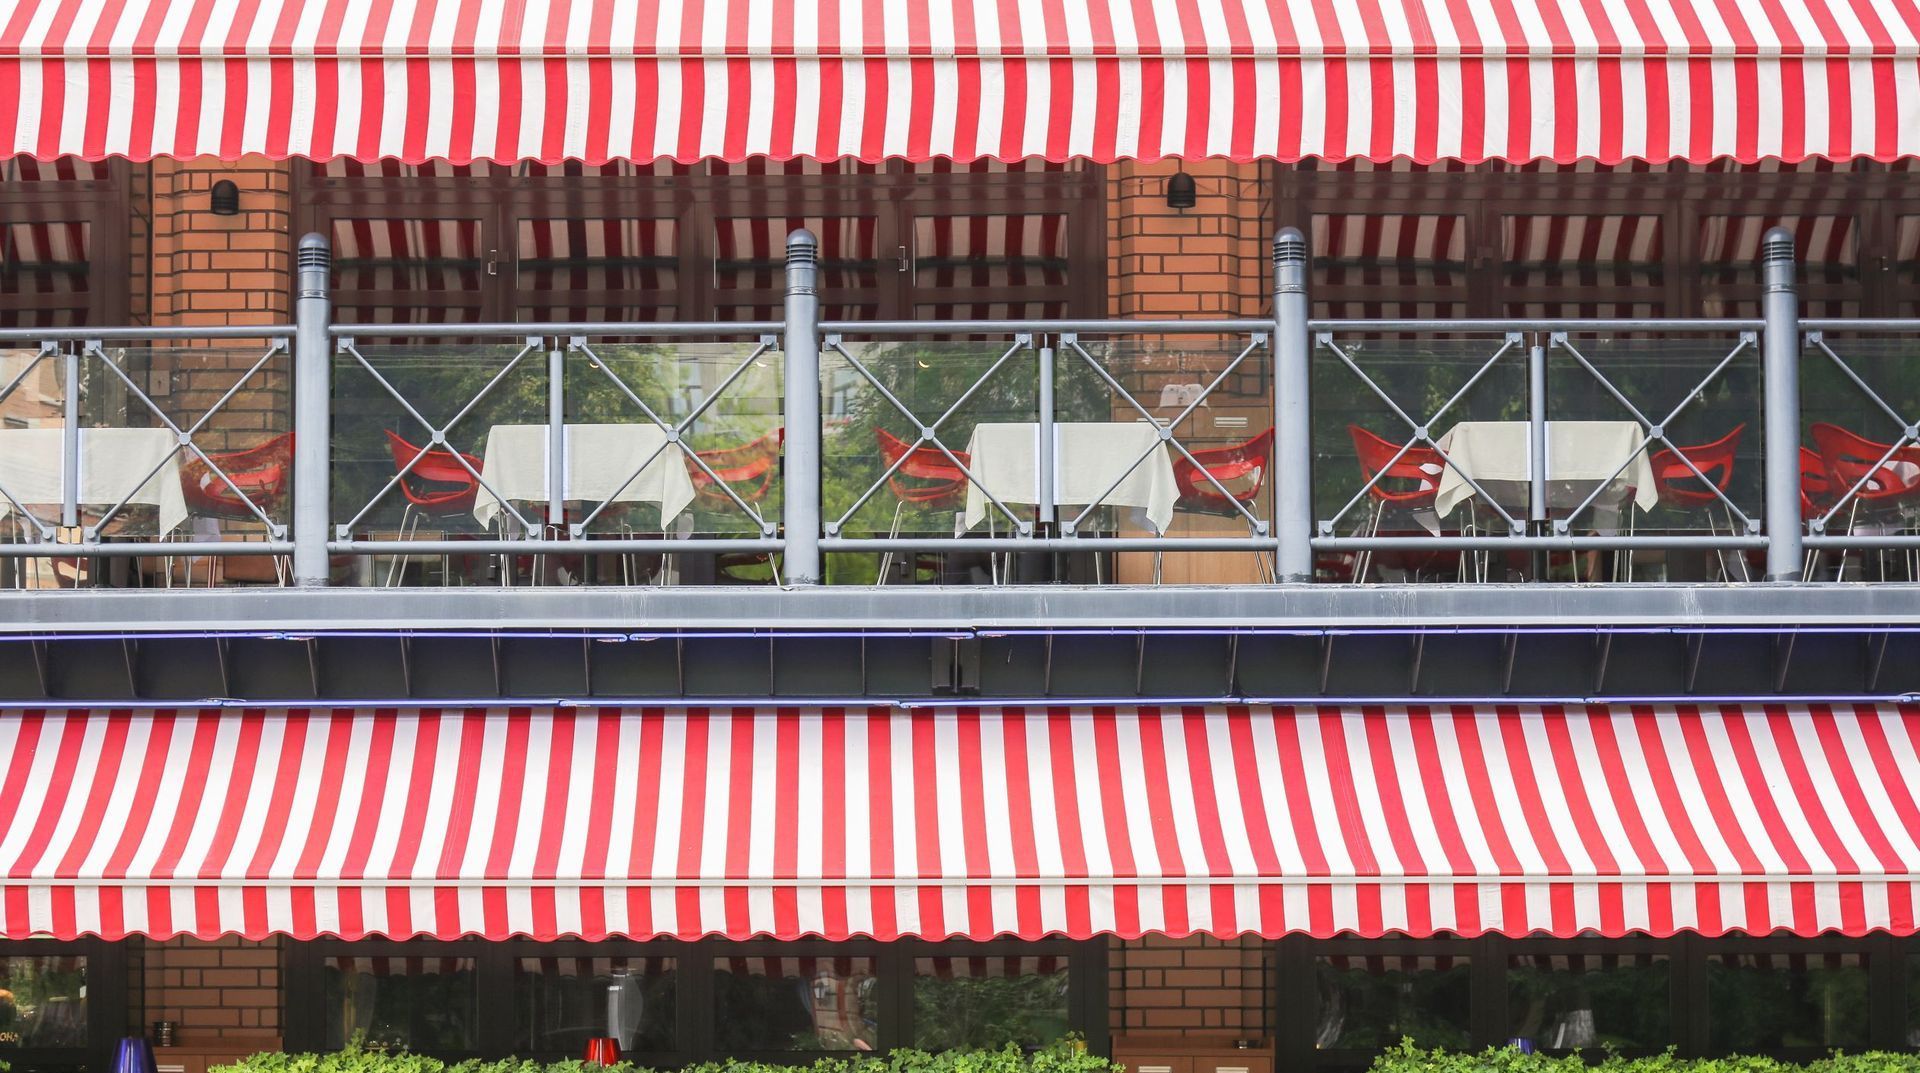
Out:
{"x": 599, "y": 80}
{"x": 1022, "y": 821}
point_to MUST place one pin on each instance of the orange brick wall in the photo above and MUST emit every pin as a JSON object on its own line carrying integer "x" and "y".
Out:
{"x": 209, "y": 269}
{"x": 1197, "y": 986}
{"x": 1207, "y": 261}
{"x": 220, "y": 988}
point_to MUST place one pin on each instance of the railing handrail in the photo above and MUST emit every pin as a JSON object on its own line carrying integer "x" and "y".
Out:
{"x": 136, "y": 334}
{"x": 558, "y": 328}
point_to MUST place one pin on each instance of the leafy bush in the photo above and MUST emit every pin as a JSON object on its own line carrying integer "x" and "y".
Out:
{"x": 1066, "y": 1056}
{"x": 1407, "y": 1058}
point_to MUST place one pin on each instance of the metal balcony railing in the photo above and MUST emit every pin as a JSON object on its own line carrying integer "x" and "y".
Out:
{"x": 806, "y": 451}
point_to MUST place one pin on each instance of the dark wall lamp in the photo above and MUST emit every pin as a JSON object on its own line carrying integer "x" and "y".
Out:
{"x": 225, "y": 200}
{"x": 1180, "y": 191}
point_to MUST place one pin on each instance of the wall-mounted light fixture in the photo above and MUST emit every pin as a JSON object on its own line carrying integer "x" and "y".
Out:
{"x": 225, "y": 200}
{"x": 1180, "y": 191}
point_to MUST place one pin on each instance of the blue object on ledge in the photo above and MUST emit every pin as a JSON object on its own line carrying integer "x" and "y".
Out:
{"x": 1518, "y": 1043}
{"x": 134, "y": 1055}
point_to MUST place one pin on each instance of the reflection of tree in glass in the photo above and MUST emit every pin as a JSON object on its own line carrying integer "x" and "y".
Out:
{"x": 48, "y": 1002}
{"x": 1623, "y": 1006}
{"x": 989, "y": 1011}
{"x": 1756, "y": 1004}
{"x": 823, "y": 1012}
{"x": 427, "y": 1012}
{"x": 1365, "y": 1009}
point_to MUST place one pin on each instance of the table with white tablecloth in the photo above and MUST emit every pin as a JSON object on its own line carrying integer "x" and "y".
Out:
{"x": 600, "y": 459}
{"x": 112, "y": 462}
{"x": 1088, "y": 456}
{"x": 1581, "y": 455}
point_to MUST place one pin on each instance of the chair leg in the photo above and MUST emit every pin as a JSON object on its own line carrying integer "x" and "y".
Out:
{"x": 397, "y": 564}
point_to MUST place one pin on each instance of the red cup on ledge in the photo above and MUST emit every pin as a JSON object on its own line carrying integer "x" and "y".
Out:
{"x": 603, "y": 1051}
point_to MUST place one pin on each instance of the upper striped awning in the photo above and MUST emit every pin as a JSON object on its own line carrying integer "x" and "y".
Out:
{"x": 600, "y": 80}
{"x": 1019, "y": 821}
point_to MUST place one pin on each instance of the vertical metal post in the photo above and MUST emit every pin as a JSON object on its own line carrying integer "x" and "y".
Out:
{"x": 800, "y": 476}
{"x": 1537, "y": 434}
{"x": 70, "y": 439}
{"x": 1292, "y": 411}
{"x": 1781, "y": 376}
{"x": 556, "y": 436}
{"x": 1046, "y": 444}
{"x": 312, "y": 413}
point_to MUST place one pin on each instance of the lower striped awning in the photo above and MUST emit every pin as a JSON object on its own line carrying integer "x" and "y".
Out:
{"x": 971, "y": 822}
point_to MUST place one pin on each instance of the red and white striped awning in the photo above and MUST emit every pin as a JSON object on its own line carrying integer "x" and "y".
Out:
{"x": 599, "y": 80}
{"x": 1021, "y": 821}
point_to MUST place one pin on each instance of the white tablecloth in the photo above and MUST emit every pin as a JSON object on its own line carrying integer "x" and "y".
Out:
{"x": 111, "y": 460}
{"x": 1580, "y": 454}
{"x": 1087, "y": 457}
{"x": 599, "y": 459}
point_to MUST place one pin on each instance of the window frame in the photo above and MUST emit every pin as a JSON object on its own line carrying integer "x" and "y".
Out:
{"x": 1874, "y": 198}
{"x": 698, "y": 196}
{"x": 108, "y": 1010}
{"x": 303, "y": 1016}
{"x": 105, "y": 204}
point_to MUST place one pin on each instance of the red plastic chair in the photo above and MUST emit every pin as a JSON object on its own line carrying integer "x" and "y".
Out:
{"x": 1890, "y": 488}
{"x": 926, "y": 477}
{"x": 1407, "y": 483}
{"x": 1850, "y": 457}
{"x": 261, "y": 474}
{"x": 1241, "y": 462}
{"x": 945, "y": 483}
{"x": 437, "y": 486}
{"x": 1680, "y": 486}
{"x": 739, "y": 465}
{"x": 750, "y": 462}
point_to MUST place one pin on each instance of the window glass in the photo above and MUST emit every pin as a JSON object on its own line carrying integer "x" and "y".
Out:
{"x": 44, "y": 1002}
{"x": 1777, "y": 1001}
{"x": 989, "y": 1002}
{"x": 562, "y": 1002}
{"x": 795, "y": 1004}
{"x": 1575, "y": 1001}
{"x": 424, "y": 1004}
{"x": 1389, "y": 264}
{"x": 1580, "y": 265}
{"x": 594, "y": 268}
{"x": 1368, "y": 1003}
{"x": 1825, "y": 249}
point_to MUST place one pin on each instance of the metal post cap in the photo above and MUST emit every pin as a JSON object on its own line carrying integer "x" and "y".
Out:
{"x": 1777, "y": 258}
{"x": 1289, "y": 246}
{"x": 802, "y": 248}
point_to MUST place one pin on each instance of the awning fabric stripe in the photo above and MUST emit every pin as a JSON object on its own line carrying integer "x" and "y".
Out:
{"x": 1022, "y": 821}
{"x": 596, "y": 80}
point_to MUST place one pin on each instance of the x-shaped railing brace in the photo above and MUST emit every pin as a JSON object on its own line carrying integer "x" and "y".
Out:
{"x": 183, "y": 437}
{"x": 438, "y": 436}
{"x": 675, "y": 432}
{"x": 929, "y": 433}
{"x": 1657, "y": 430}
{"x": 1909, "y": 432}
{"x": 1166, "y": 435}
{"x": 1422, "y": 430}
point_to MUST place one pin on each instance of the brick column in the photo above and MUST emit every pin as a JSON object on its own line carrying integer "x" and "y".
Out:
{"x": 1192, "y": 986}
{"x": 220, "y": 988}
{"x": 1206, "y": 261}
{"x": 209, "y": 269}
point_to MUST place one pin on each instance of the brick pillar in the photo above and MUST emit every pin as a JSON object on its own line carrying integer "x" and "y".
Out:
{"x": 211, "y": 269}
{"x": 216, "y": 989}
{"x": 1209, "y": 261}
{"x": 1206, "y": 261}
{"x": 1194, "y": 986}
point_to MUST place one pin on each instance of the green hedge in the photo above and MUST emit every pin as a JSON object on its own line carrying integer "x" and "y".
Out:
{"x": 1407, "y": 1058}
{"x": 1067, "y": 1056}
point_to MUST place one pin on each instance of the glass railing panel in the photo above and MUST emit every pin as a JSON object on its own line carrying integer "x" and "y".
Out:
{"x": 414, "y": 426}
